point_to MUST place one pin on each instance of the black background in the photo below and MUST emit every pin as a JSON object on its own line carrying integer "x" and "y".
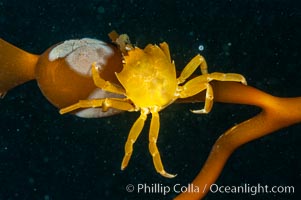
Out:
{"x": 44, "y": 155}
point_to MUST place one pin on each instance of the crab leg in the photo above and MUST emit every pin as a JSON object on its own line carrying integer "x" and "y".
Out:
{"x": 208, "y": 101}
{"x": 197, "y": 61}
{"x": 105, "y": 85}
{"x": 153, "y": 149}
{"x": 200, "y": 83}
{"x": 121, "y": 104}
{"x": 226, "y": 77}
{"x": 133, "y": 135}
{"x": 195, "y": 86}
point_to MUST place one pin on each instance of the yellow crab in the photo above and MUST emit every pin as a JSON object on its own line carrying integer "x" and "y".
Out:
{"x": 149, "y": 84}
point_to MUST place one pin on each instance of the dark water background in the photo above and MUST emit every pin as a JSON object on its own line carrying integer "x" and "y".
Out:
{"x": 46, "y": 156}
